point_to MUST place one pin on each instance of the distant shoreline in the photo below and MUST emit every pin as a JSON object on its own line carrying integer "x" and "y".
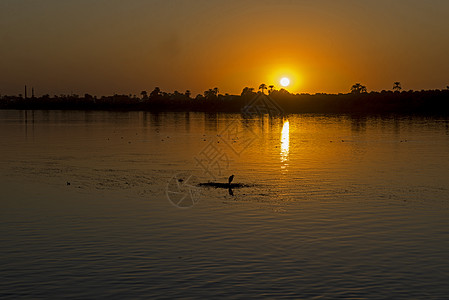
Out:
{"x": 430, "y": 102}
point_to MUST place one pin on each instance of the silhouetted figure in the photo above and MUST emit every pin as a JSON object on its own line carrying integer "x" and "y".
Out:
{"x": 230, "y": 179}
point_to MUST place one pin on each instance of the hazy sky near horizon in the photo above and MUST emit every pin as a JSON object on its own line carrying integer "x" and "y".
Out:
{"x": 109, "y": 46}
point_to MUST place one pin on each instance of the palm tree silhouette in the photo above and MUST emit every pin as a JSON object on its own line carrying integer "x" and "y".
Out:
{"x": 271, "y": 88}
{"x": 211, "y": 93}
{"x": 263, "y": 87}
{"x": 397, "y": 86}
{"x": 247, "y": 91}
{"x": 155, "y": 93}
{"x": 358, "y": 88}
{"x": 208, "y": 93}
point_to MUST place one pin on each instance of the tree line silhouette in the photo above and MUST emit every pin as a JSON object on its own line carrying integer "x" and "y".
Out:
{"x": 357, "y": 101}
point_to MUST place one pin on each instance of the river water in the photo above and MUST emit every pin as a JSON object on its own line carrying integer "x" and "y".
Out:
{"x": 107, "y": 204}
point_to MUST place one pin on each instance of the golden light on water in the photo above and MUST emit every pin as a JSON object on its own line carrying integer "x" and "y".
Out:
{"x": 285, "y": 142}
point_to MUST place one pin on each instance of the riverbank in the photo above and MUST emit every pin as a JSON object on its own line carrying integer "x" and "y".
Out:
{"x": 431, "y": 102}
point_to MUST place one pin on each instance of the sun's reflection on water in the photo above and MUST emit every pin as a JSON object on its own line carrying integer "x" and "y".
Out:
{"x": 285, "y": 144}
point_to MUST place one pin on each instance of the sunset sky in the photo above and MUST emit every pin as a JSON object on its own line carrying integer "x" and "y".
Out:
{"x": 106, "y": 46}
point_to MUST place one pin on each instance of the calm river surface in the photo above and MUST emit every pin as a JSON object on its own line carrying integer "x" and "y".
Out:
{"x": 107, "y": 205}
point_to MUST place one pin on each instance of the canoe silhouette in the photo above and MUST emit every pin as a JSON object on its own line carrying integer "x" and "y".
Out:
{"x": 220, "y": 185}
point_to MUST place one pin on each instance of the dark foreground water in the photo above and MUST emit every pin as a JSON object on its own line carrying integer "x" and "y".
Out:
{"x": 106, "y": 205}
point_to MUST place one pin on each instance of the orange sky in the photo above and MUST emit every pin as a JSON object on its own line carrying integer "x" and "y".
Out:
{"x": 104, "y": 47}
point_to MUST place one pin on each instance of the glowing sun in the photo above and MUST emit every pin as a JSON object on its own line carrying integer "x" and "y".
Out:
{"x": 285, "y": 81}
